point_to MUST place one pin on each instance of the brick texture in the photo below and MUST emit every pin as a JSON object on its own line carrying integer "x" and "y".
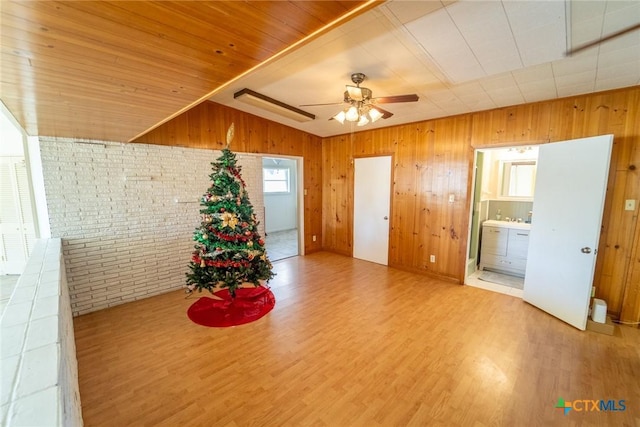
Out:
{"x": 126, "y": 214}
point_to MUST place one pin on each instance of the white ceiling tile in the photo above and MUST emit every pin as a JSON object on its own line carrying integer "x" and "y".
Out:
{"x": 443, "y": 96}
{"x": 538, "y": 90}
{"x": 628, "y": 72}
{"x": 619, "y": 56}
{"x": 407, "y": 11}
{"x": 467, "y": 88}
{"x": 505, "y": 97}
{"x": 483, "y": 20}
{"x": 442, "y": 41}
{"x": 539, "y": 29}
{"x": 592, "y": 20}
{"x": 582, "y": 10}
{"x": 460, "y": 68}
{"x": 498, "y": 57}
{"x": 475, "y": 99}
{"x": 580, "y": 62}
{"x": 586, "y": 31}
{"x": 575, "y": 89}
{"x": 502, "y": 81}
{"x": 526, "y": 16}
{"x": 615, "y": 82}
{"x": 576, "y": 78}
{"x": 532, "y": 74}
{"x": 621, "y": 14}
{"x": 480, "y": 104}
{"x": 545, "y": 44}
{"x": 486, "y": 30}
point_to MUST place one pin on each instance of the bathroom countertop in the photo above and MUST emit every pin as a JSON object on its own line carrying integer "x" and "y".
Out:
{"x": 507, "y": 224}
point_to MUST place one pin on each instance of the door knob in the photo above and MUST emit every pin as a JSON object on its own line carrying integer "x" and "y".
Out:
{"x": 586, "y": 250}
{"x": 386, "y": 218}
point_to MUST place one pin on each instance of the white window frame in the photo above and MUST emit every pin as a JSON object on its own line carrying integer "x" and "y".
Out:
{"x": 265, "y": 180}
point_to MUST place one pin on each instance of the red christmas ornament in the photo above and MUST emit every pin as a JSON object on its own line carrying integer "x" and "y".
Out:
{"x": 222, "y": 209}
{"x": 247, "y": 233}
{"x": 261, "y": 241}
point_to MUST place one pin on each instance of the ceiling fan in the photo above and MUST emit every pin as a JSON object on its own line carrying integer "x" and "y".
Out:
{"x": 603, "y": 39}
{"x": 362, "y": 107}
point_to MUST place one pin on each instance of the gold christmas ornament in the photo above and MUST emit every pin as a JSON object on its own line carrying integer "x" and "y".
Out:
{"x": 229, "y": 220}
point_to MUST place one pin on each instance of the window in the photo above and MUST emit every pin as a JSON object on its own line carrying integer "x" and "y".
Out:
{"x": 518, "y": 178}
{"x": 275, "y": 180}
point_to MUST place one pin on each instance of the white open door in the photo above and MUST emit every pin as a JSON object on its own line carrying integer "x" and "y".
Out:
{"x": 371, "y": 200}
{"x": 17, "y": 226}
{"x": 571, "y": 181}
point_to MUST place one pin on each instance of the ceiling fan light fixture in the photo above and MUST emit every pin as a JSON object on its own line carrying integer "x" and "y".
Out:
{"x": 340, "y": 117}
{"x": 363, "y": 120}
{"x": 352, "y": 114}
{"x": 374, "y": 115}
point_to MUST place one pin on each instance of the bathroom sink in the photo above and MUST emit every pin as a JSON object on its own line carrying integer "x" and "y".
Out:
{"x": 507, "y": 224}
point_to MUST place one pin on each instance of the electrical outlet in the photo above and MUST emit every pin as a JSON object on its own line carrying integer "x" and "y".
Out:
{"x": 630, "y": 205}
{"x": 432, "y": 258}
{"x": 314, "y": 238}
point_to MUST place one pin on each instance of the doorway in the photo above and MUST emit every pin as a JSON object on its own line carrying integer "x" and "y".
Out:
{"x": 558, "y": 260}
{"x": 17, "y": 215}
{"x": 371, "y": 205}
{"x": 281, "y": 183}
{"x": 503, "y": 194}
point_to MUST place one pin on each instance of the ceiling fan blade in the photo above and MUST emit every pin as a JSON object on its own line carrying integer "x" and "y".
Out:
{"x": 397, "y": 98}
{"x": 385, "y": 114}
{"x": 603, "y": 39}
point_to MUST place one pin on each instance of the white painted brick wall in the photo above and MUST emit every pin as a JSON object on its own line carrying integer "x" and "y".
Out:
{"x": 126, "y": 214}
{"x": 39, "y": 381}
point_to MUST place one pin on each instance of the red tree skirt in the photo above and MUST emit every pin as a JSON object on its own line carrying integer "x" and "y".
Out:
{"x": 250, "y": 304}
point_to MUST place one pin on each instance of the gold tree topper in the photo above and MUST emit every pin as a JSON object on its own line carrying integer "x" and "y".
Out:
{"x": 230, "y": 132}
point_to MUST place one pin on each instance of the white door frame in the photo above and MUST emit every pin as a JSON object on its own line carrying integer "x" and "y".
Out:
{"x": 300, "y": 193}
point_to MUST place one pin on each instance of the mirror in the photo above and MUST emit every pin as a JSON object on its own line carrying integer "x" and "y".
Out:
{"x": 518, "y": 178}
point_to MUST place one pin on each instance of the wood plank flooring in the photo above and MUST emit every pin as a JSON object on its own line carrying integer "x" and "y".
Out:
{"x": 350, "y": 343}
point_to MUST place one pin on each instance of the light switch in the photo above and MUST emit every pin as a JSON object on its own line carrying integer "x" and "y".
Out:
{"x": 452, "y": 198}
{"x": 630, "y": 205}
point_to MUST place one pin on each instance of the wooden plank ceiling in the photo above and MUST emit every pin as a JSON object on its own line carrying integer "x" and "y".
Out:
{"x": 111, "y": 70}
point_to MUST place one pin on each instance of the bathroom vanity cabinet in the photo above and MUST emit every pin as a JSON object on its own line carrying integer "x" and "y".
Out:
{"x": 504, "y": 246}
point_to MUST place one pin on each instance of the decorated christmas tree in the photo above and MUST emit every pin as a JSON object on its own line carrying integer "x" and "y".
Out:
{"x": 229, "y": 251}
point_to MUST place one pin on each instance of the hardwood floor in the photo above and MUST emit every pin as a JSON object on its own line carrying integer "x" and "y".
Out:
{"x": 350, "y": 343}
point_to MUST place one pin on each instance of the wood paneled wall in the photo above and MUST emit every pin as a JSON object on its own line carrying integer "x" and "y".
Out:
{"x": 434, "y": 159}
{"x": 431, "y": 161}
{"x": 205, "y": 126}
